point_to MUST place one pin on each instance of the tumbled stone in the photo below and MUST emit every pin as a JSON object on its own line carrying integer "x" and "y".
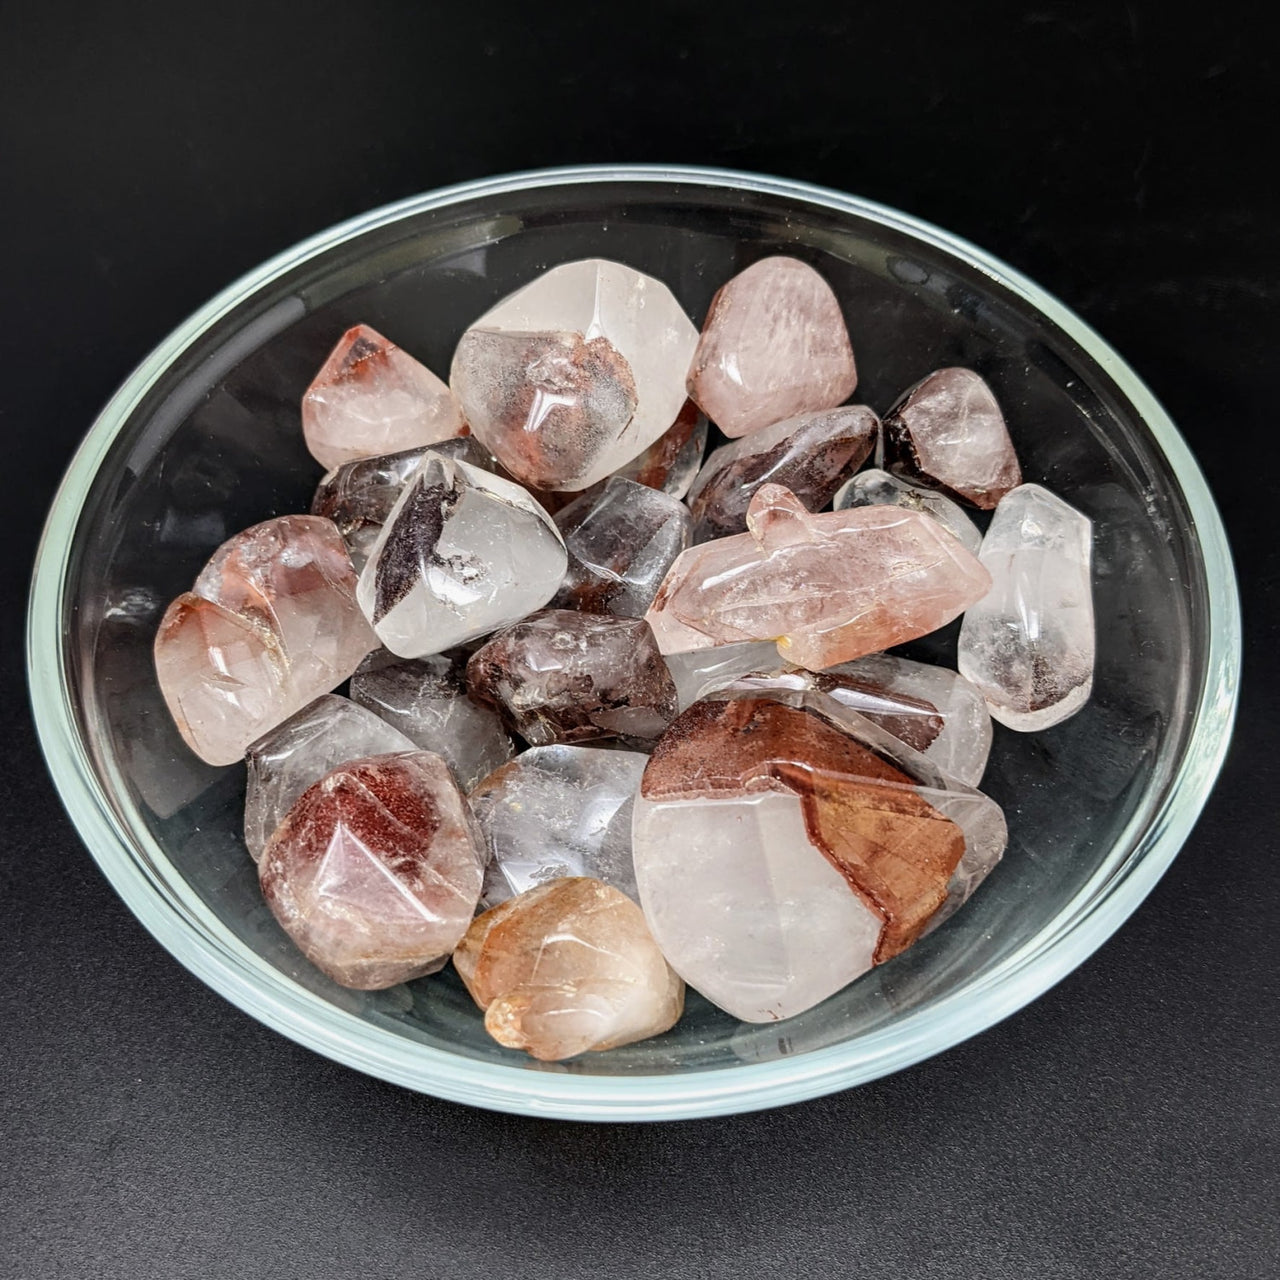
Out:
{"x": 576, "y": 374}
{"x": 568, "y": 967}
{"x": 562, "y": 676}
{"x": 948, "y": 432}
{"x": 697, "y": 672}
{"x": 672, "y": 460}
{"x": 271, "y": 624}
{"x": 462, "y": 553}
{"x": 828, "y": 588}
{"x": 880, "y": 489}
{"x": 810, "y": 455}
{"x": 621, "y": 542}
{"x": 376, "y": 870}
{"x": 784, "y": 848}
{"x": 774, "y": 345}
{"x": 1029, "y": 643}
{"x": 558, "y": 811}
{"x": 426, "y": 700}
{"x": 359, "y": 496}
{"x": 932, "y": 709}
{"x": 370, "y": 398}
{"x": 285, "y": 762}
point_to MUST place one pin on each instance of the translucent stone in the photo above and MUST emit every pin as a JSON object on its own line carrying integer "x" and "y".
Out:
{"x": 370, "y": 398}
{"x": 576, "y": 374}
{"x": 376, "y": 870}
{"x": 932, "y": 709}
{"x": 621, "y": 542}
{"x": 1029, "y": 643}
{"x": 880, "y": 489}
{"x": 774, "y": 345}
{"x": 462, "y": 553}
{"x": 810, "y": 455}
{"x": 568, "y": 967}
{"x": 558, "y": 811}
{"x": 672, "y": 460}
{"x": 426, "y": 700}
{"x": 359, "y": 496}
{"x": 784, "y": 845}
{"x": 562, "y": 676}
{"x": 271, "y": 624}
{"x": 828, "y": 588}
{"x": 697, "y": 672}
{"x": 284, "y": 763}
{"x": 949, "y": 433}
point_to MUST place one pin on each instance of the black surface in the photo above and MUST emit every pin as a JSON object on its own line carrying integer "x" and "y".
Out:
{"x": 1126, "y": 1124}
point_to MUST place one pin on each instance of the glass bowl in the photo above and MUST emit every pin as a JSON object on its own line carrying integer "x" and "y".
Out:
{"x": 204, "y": 439}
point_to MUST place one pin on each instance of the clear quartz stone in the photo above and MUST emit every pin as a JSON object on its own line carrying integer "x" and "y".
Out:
{"x": 621, "y": 542}
{"x": 286, "y": 761}
{"x": 567, "y": 967}
{"x": 880, "y": 489}
{"x": 774, "y": 345}
{"x": 558, "y": 811}
{"x": 426, "y": 701}
{"x": 673, "y": 459}
{"x": 462, "y": 554}
{"x": 698, "y": 672}
{"x": 371, "y": 398}
{"x": 576, "y": 374}
{"x": 1029, "y": 643}
{"x": 828, "y": 588}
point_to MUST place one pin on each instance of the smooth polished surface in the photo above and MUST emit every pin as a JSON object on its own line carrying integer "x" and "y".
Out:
{"x": 1150, "y": 1069}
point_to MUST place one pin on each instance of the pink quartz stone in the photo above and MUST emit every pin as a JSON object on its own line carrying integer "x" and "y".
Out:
{"x": 376, "y": 870}
{"x": 774, "y": 345}
{"x": 948, "y": 432}
{"x": 370, "y": 398}
{"x": 827, "y": 588}
{"x": 271, "y": 624}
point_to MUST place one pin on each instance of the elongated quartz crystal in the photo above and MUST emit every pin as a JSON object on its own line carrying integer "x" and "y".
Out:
{"x": 784, "y": 845}
{"x": 828, "y": 588}
{"x": 371, "y": 398}
{"x": 567, "y": 967}
{"x": 462, "y": 553}
{"x": 271, "y": 624}
{"x": 376, "y": 870}
{"x": 774, "y": 345}
{"x": 576, "y": 374}
{"x": 810, "y": 455}
{"x": 1029, "y": 643}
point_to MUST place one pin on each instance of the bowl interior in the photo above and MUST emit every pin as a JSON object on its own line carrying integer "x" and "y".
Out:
{"x": 214, "y": 445}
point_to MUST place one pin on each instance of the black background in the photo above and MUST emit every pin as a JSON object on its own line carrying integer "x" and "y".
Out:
{"x": 1126, "y": 1124}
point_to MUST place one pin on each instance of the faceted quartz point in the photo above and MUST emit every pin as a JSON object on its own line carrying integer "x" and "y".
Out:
{"x": 568, "y": 967}
{"x": 370, "y": 398}
{"x": 774, "y": 345}
{"x": 286, "y": 761}
{"x": 1029, "y": 644}
{"x": 558, "y": 811}
{"x": 426, "y": 701}
{"x": 271, "y": 624}
{"x": 810, "y": 455}
{"x": 576, "y": 374}
{"x": 948, "y": 432}
{"x": 562, "y": 676}
{"x": 462, "y": 553}
{"x": 698, "y": 672}
{"x": 672, "y": 460}
{"x": 935, "y": 711}
{"x": 359, "y": 496}
{"x": 621, "y": 542}
{"x": 828, "y": 588}
{"x": 880, "y": 489}
{"x": 376, "y": 870}
{"x": 783, "y": 848}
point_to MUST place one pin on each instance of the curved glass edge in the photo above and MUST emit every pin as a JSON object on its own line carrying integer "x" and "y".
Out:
{"x": 1102, "y": 905}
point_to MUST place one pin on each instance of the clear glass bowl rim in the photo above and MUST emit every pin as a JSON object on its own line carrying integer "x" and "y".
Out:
{"x": 194, "y": 936}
